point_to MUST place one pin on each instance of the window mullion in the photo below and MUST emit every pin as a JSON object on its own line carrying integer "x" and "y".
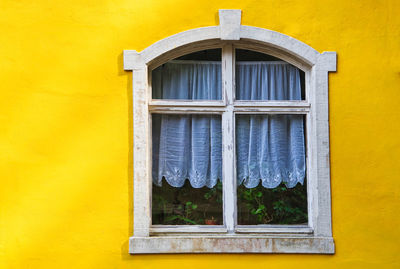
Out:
{"x": 229, "y": 182}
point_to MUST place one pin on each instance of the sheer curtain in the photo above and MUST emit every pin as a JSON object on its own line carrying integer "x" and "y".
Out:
{"x": 187, "y": 146}
{"x": 191, "y": 80}
{"x": 269, "y": 148}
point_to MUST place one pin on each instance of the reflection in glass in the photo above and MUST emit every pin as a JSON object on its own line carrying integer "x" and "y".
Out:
{"x": 187, "y": 205}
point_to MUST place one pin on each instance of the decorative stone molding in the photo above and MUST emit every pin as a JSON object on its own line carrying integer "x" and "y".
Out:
{"x": 317, "y": 236}
{"x": 231, "y": 244}
{"x": 228, "y": 31}
{"x": 229, "y": 21}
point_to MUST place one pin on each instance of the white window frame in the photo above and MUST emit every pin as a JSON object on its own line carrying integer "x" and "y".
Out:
{"x": 316, "y": 237}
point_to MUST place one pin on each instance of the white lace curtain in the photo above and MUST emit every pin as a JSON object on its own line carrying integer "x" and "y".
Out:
{"x": 269, "y": 148}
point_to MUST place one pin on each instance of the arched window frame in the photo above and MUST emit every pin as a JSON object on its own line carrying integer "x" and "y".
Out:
{"x": 230, "y": 34}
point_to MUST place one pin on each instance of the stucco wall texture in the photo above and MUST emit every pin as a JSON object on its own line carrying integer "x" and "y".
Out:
{"x": 66, "y": 127}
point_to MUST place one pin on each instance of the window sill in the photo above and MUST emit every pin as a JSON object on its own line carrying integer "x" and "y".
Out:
{"x": 231, "y": 244}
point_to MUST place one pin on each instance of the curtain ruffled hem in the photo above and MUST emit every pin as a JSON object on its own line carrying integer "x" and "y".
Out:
{"x": 290, "y": 179}
{"x": 178, "y": 182}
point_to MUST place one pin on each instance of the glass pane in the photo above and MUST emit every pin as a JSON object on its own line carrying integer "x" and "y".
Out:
{"x": 280, "y": 205}
{"x": 195, "y": 76}
{"x": 263, "y": 77}
{"x": 271, "y": 169}
{"x": 187, "y": 169}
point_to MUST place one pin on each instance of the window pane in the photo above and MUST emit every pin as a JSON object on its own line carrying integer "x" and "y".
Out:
{"x": 280, "y": 205}
{"x": 271, "y": 169}
{"x": 196, "y": 76}
{"x": 187, "y": 173}
{"x": 263, "y": 77}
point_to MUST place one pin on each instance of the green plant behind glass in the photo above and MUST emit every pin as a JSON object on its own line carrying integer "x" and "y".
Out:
{"x": 280, "y": 205}
{"x": 186, "y": 205}
{"x": 186, "y": 215}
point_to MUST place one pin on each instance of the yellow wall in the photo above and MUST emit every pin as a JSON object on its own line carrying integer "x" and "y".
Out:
{"x": 66, "y": 129}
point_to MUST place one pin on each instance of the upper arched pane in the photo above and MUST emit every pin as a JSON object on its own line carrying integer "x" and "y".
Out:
{"x": 261, "y": 76}
{"x": 195, "y": 76}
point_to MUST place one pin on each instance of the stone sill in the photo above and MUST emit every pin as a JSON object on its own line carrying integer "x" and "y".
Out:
{"x": 231, "y": 244}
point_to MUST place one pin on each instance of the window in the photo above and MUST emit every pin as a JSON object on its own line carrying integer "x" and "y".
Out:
{"x": 225, "y": 117}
